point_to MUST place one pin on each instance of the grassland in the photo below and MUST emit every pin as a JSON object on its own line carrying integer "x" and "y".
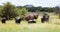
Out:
{"x": 52, "y": 26}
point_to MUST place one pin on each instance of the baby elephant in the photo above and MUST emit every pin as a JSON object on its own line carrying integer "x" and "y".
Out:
{"x": 18, "y": 20}
{"x": 45, "y": 18}
{"x": 3, "y": 20}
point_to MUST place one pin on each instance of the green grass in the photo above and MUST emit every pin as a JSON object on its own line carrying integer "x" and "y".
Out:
{"x": 51, "y": 26}
{"x": 42, "y": 27}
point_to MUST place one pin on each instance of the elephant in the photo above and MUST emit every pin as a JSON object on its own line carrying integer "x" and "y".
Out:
{"x": 45, "y": 18}
{"x": 31, "y": 18}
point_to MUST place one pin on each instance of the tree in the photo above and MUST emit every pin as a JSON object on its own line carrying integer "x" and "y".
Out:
{"x": 1, "y": 7}
{"x": 21, "y": 12}
{"x": 57, "y": 10}
{"x": 8, "y": 11}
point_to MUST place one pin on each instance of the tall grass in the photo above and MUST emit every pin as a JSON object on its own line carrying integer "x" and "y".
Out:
{"x": 51, "y": 26}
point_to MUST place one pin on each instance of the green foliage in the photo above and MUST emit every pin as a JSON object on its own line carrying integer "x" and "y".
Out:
{"x": 57, "y": 10}
{"x": 8, "y": 10}
{"x": 21, "y": 12}
{"x": 1, "y": 7}
{"x": 11, "y": 11}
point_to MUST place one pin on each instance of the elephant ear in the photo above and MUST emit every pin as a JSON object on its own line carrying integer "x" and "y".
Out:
{"x": 27, "y": 17}
{"x": 35, "y": 16}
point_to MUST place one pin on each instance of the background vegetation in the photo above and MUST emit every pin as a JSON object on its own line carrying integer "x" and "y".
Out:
{"x": 11, "y": 11}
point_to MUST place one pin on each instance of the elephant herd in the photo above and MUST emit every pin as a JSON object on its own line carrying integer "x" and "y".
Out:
{"x": 31, "y": 18}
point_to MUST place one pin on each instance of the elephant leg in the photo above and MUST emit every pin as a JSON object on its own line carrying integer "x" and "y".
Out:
{"x": 30, "y": 21}
{"x": 16, "y": 21}
{"x": 42, "y": 20}
{"x": 34, "y": 21}
{"x": 3, "y": 21}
